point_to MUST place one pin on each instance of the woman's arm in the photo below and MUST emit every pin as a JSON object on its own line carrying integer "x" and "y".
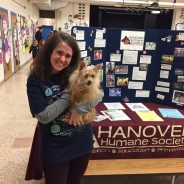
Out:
{"x": 53, "y": 110}
{"x": 38, "y": 104}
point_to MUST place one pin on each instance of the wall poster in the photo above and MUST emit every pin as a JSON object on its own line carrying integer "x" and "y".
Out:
{"x": 24, "y": 34}
{"x": 132, "y": 40}
{"x": 6, "y": 50}
{"x": 15, "y": 41}
{"x": 1, "y": 53}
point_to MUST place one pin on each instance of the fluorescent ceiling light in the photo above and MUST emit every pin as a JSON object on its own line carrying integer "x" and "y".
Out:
{"x": 155, "y": 12}
{"x": 166, "y": 3}
{"x": 117, "y": 1}
{"x": 137, "y": 2}
{"x": 126, "y": 1}
{"x": 178, "y": 4}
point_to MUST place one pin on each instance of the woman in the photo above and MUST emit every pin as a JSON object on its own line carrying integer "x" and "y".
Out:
{"x": 65, "y": 148}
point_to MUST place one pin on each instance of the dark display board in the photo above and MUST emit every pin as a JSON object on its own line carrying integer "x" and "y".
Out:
{"x": 138, "y": 65}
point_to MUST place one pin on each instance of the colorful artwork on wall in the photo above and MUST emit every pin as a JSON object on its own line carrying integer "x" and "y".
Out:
{"x": 24, "y": 32}
{"x": 6, "y": 39}
{"x": 15, "y": 41}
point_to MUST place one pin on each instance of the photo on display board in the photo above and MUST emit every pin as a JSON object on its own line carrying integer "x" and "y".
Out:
{"x": 101, "y": 72}
{"x": 150, "y": 46}
{"x": 122, "y": 81}
{"x": 120, "y": 69}
{"x": 180, "y": 79}
{"x": 179, "y": 52}
{"x": 87, "y": 60}
{"x": 180, "y": 36}
{"x": 178, "y": 97}
{"x": 114, "y": 92}
{"x": 110, "y": 67}
{"x": 178, "y": 86}
{"x": 110, "y": 80}
{"x": 167, "y": 59}
{"x": 97, "y": 54}
{"x": 179, "y": 71}
{"x": 143, "y": 67}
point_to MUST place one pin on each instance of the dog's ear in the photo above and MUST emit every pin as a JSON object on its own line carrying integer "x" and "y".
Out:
{"x": 98, "y": 67}
{"x": 82, "y": 65}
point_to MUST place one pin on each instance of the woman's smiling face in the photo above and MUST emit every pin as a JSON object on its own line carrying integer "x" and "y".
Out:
{"x": 61, "y": 57}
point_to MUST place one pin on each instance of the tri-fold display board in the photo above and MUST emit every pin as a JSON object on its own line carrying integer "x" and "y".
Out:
{"x": 138, "y": 65}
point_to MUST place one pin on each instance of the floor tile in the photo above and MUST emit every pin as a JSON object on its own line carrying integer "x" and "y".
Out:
{"x": 22, "y": 143}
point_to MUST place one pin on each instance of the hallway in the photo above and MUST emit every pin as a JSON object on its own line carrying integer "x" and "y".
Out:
{"x": 16, "y": 129}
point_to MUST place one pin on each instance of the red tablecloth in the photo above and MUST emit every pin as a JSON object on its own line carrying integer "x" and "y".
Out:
{"x": 138, "y": 139}
{"x": 126, "y": 139}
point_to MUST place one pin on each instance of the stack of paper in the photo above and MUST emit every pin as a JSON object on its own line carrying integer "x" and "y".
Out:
{"x": 149, "y": 116}
{"x": 137, "y": 107}
{"x": 171, "y": 113}
{"x": 100, "y": 117}
{"x": 116, "y": 105}
{"x": 115, "y": 115}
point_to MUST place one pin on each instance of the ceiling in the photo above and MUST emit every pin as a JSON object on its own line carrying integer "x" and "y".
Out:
{"x": 57, "y": 4}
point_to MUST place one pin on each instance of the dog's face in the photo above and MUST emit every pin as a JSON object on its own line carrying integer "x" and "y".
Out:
{"x": 89, "y": 76}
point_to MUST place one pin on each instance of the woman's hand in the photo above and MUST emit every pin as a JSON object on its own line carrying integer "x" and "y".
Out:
{"x": 75, "y": 118}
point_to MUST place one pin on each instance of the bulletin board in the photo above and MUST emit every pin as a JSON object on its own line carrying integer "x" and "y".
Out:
{"x": 138, "y": 65}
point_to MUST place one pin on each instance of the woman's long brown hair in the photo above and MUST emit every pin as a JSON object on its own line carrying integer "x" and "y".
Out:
{"x": 42, "y": 65}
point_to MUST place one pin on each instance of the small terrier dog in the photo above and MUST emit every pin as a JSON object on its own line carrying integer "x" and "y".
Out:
{"x": 84, "y": 85}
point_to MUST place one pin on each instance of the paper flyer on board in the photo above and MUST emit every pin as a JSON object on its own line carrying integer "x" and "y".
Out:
{"x": 132, "y": 40}
{"x": 130, "y": 57}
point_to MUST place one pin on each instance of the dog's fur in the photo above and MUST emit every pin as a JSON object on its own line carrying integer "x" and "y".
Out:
{"x": 87, "y": 79}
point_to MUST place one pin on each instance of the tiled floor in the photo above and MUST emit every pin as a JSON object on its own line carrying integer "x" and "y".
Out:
{"x": 16, "y": 132}
{"x": 16, "y": 129}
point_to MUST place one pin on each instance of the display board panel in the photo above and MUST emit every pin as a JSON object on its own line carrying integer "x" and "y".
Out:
{"x": 138, "y": 65}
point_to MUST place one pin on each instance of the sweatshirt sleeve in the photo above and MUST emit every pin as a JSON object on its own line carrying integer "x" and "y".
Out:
{"x": 38, "y": 104}
{"x": 53, "y": 110}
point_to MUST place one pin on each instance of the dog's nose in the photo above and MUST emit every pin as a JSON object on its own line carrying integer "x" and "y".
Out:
{"x": 89, "y": 83}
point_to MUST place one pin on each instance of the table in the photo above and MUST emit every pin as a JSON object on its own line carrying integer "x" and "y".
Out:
{"x": 135, "y": 138}
{"x": 130, "y": 139}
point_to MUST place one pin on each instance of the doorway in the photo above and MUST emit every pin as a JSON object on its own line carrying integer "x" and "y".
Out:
{"x": 46, "y": 31}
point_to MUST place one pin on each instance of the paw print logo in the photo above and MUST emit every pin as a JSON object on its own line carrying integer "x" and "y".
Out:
{"x": 152, "y": 149}
{"x": 113, "y": 151}
{"x": 48, "y": 92}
